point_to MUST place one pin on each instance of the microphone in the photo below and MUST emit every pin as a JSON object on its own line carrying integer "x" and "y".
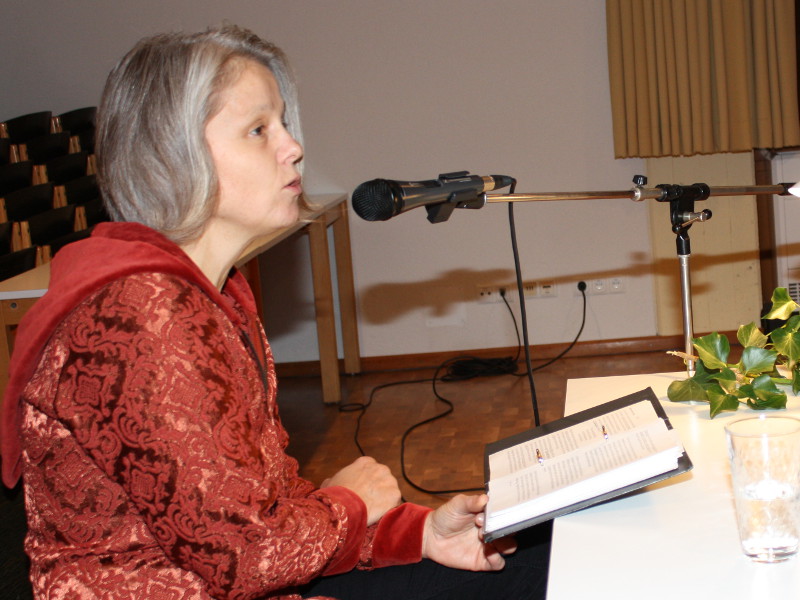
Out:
{"x": 382, "y": 199}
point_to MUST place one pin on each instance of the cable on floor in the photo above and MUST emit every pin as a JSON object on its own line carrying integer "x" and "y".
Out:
{"x": 455, "y": 369}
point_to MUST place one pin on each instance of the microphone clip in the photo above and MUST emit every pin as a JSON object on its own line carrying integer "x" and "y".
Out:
{"x": 439, "y": 213}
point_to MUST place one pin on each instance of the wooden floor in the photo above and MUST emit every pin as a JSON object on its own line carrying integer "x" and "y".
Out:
{"x": 448, "y": 453}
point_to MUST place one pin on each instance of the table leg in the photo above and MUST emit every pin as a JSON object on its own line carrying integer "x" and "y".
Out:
{"x": 323, "y": 303}
{"x": 347, "y": 295}
{"x": 11, "y": 313}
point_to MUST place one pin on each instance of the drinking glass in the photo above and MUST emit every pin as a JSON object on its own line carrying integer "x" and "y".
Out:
{"x": 764, "y": 454}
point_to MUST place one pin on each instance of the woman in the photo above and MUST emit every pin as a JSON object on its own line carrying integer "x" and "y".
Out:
{"x": 141, "y": 408}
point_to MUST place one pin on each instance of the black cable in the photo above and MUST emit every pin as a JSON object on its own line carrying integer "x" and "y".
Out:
{"x": 574, "y": 341}
{"x": 522, "y": 312}
{"x": 408, "y": 431}
{"x": 467, "y": 368}
{"x": 516, "y": 327}
{"x": 457, "y": 375}
{"x": 459, "y": 368}
{"x": 362, "y": 407}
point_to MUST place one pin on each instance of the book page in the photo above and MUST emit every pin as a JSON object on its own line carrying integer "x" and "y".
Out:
{"x": 622, "y": 459}
{"x": 578, "y": 436}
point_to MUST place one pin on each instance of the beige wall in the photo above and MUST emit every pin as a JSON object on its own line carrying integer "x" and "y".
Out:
{"x": 408, "y": 90}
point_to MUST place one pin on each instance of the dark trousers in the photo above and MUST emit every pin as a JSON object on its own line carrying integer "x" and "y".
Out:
{"x": 524, "y": 576}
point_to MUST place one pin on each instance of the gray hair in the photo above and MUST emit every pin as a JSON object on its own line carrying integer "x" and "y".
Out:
{"x": 153, "y": 163}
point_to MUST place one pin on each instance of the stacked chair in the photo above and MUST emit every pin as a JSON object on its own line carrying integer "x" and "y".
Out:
{"x": 48, "y": 190}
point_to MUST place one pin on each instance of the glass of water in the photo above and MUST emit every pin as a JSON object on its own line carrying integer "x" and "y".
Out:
{"x": 765, "y": 471}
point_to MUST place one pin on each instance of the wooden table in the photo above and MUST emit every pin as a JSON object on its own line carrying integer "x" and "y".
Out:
{"x": 675, "y": 539}
{"x": 19, "y": 293}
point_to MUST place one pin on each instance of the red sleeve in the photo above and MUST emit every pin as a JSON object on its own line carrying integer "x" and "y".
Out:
{"x": 349, "y": 553}
{"x": 395, "y": 540}
{"x": 398, "y": 540}
{"x": 161, "y": 392}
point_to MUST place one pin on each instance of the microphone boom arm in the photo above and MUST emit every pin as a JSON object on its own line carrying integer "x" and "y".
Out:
{"x": 638, "y": 193}
{"x": 682, "y": 216}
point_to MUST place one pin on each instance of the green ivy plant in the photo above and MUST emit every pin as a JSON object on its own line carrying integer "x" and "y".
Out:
{"x": 755, "y": 378}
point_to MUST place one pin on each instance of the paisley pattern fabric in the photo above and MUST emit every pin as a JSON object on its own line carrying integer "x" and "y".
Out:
{"x": 154, "y": 459}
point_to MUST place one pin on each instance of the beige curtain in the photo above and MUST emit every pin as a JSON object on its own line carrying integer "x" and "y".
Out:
{"x": 702, "y": 76}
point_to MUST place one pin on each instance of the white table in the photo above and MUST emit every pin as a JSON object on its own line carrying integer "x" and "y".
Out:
{"x": 674, "y": 540}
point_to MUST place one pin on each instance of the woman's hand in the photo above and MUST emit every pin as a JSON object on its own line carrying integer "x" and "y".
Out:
{"x": 453, "y": 538}
{"x": 373, "y": 482}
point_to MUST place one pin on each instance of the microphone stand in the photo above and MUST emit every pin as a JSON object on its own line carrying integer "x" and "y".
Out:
{"x": 681, "y": 199}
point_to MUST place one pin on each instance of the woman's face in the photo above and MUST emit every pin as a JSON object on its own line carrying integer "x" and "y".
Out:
{"x": 255, "y": 157}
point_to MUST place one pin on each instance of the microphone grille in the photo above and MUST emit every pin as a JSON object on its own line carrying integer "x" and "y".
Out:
{"x": 373, "y": 200}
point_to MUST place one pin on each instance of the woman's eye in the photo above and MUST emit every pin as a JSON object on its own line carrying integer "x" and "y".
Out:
{"x": 258, "y": 131}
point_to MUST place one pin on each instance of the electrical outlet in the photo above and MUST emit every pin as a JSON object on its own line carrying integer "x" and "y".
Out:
{"x": 538, "y": 289}
{"x": 489, "y": 294}
{"x": 530, "y": 289}
{"x": 597, "y": 286}
{"x": 547, "y": 289}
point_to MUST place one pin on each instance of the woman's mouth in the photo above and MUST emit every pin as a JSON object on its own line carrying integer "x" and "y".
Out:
{"x": 296, "y": 185}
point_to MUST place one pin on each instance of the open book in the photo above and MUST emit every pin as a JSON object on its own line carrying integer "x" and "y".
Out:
{"x": 580, "y": 460}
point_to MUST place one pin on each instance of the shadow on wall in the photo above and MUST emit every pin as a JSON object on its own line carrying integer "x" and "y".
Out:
{"x": 385, "y": 302}
{"x": 288, "y": 294}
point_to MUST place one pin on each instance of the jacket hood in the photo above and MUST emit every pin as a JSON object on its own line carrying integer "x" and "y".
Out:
{"x": 113, "y": 251}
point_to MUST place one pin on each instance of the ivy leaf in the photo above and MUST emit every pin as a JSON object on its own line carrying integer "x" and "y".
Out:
{"x": 782, "y": 305}
{"x": 771, "y": 401}
{"x": 686, "y": 390}
{"x": 762, "y": 393}
{"x": 720, "y": 400}
{"x": 762, "y": 367}
{"x": 756, "y": 361}
{"x": 787, "y": 343}
{"x": 701, "y": 374}
{"x": 726, "y": 379}
{"x": 750, "y": 335}
{"x": 713, "y": 350}
{"x": 793, "y": 324}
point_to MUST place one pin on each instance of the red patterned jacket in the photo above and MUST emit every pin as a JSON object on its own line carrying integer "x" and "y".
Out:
{"x": 141, "y": 414}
